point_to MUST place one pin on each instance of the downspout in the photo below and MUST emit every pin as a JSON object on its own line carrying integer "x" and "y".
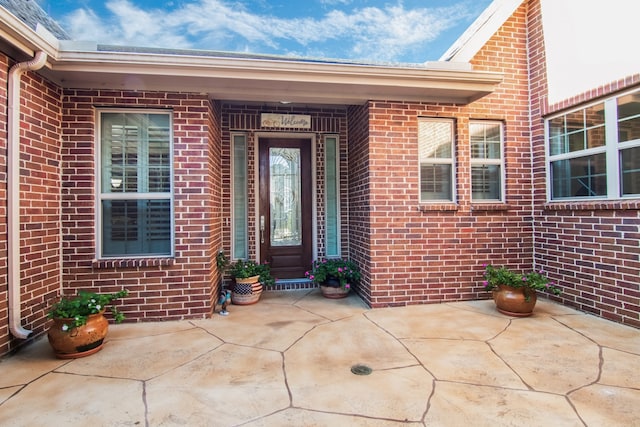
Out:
{"x": 13, "y": 190}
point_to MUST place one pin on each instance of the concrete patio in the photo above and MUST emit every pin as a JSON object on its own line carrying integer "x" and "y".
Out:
{"x": 287, "y": 361}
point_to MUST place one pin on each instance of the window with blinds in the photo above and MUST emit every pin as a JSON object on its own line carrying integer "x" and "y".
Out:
{"x": 135, "y": 176}
{"x": 435, "y": 150}
{"x": 487, "y": 166}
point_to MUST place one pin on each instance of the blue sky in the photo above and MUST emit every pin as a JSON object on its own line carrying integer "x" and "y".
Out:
{"x": 411, "y": 31}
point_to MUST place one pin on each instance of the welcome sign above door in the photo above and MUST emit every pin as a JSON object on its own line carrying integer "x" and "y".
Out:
{"x": 298, "y": 121}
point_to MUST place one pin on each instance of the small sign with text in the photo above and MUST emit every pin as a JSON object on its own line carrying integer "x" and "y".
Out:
{"x": 298, "y": 121}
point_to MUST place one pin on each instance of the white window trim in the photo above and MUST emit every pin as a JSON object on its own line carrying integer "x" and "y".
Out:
{"x": 246, "y": 195}
{"x": 611, "y": 149}
{"x": 440, "y": 161}
{"x": 123, "y": 196}
{"x": 481, "y": 162}
{"x": 337, "y": 189}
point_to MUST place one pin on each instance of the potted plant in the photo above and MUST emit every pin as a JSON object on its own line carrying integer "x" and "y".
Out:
{"x": 250, "y": 277}
{"x": 515, "y": 293}
{"x": 334, "y": 275}
{"x": 79, "y": 326}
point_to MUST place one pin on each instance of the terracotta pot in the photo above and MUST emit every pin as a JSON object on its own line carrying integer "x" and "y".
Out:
{"x": 78, "y": 341}
{"x": 517, "y": 302}
{"x": 331, "y": 289}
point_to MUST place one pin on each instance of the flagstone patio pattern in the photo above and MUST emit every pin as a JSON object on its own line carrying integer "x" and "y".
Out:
{"x": 287, "y": 360}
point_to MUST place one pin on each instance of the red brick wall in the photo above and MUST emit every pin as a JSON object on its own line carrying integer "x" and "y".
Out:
{"x": 592, "y": 249}
{"x": 215, "y": 201}
{"x": 160, "y": 289}
{"x": 434, "y": 253}
{"x": 39, "y": 200}
{"x": 359, "y": 197}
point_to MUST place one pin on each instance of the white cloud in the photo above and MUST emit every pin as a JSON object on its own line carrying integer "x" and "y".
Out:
{"x": 382, "y": 33}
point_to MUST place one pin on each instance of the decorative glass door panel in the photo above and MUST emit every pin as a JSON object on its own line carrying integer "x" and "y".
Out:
{"x": 286, "y": 225}
{"x": 285, "y": 206}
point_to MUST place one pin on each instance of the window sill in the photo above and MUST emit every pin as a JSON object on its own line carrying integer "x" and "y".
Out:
{"x": 593, "y": 205}
{"x": 437, "y": 207}
{"x": 132, "y": 262}
{"x": 482, "y": 207}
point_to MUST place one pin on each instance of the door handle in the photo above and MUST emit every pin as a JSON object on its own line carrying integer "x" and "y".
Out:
{"x": 261, "y": 228}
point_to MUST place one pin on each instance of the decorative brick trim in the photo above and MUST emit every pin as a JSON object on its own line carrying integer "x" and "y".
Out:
{"x": 439, "y": 207}
{"x": 132, "y": 263}
{"x": 483, "y": 207}
{"x": 601, "y": 91}
{"x": 593, "y": 205}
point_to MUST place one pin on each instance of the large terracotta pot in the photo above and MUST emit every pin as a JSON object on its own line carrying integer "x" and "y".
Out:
{"x": 331, "y": 289}
{"x": 246, "y": 291}
{"x": 78, "y": 341}
{"x": 518, "y": 302}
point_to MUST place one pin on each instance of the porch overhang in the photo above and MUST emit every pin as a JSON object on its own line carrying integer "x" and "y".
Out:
{"x": 240, "y": 77}
{"x": 271, "y": 79}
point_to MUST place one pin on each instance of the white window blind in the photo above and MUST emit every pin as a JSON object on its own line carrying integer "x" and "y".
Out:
{"x": 135, "y": 181}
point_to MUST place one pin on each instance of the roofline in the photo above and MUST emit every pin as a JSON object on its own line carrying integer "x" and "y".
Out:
{"x": 193, "y": 65}
{"x": 24, "y": 38}
{"x": 229, "y": 76}
{"x": 480, "y": 31}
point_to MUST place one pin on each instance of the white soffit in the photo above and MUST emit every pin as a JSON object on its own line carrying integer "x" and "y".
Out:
{"x": 263, "y": 79}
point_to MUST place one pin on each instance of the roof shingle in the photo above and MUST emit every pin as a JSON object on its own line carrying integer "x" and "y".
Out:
{"x": 29, "y": 12}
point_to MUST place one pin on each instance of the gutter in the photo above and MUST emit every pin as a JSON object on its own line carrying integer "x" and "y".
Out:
{"x": 13, "y": 190}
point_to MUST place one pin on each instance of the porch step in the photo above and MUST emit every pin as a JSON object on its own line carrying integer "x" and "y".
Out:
{"x": 292, "y": 284}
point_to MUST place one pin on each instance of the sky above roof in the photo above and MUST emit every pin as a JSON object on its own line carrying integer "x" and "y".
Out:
{"x": 391, "y": 31}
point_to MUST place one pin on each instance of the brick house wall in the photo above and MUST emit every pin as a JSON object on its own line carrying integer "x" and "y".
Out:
{"x": 591, "y": 248}
{"x": 409, "y": 252}
{"x": 40, "y": 183}
{"x": 214, "y": 202}
{"x": 425, "y": 253}
{"x": 160, "y": 288}
{"x": 359, "y": 197}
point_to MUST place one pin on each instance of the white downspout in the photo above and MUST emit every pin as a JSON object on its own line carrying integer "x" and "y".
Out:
{"x": 13, "y": 191}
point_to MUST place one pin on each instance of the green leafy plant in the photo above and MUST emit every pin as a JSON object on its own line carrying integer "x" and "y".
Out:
{"x": 345, "y": 271}
{"x": 221, "y": 261}
{"x": 79, "y": 307}
{"x": 242, "y": 269}
{"x": 534, "y": 280}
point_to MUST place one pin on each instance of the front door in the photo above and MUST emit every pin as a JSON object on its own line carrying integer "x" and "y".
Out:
{"x": 285, "y": 209}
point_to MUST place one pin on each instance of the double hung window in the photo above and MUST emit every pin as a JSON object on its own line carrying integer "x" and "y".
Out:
{"x": 135, "y": 184}
{"x": 487, "y": 168}
{"x": 435, "y": 151}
